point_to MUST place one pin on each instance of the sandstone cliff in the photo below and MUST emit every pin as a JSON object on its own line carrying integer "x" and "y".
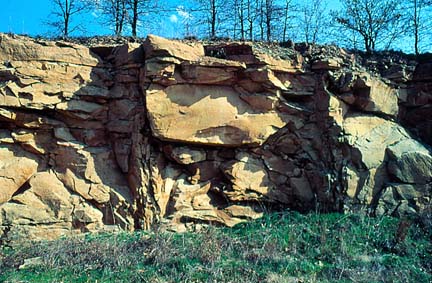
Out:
{"x": 162, "y": 133}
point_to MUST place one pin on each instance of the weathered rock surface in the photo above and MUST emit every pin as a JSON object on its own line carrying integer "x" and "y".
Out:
{"x": 156, "y": 46}
{"x": 367, "y": 93}
{"x": 410, "y": 162}
{"x": 181, "y": 134}
{"x": 213, "y": 115}
{"x": 14, "y": 171}
{"x": 385, "y": 153}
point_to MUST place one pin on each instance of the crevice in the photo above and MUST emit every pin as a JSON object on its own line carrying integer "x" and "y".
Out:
{"x": 48, "y": 113}
{"x": 4, "y": 236}
{"x": 22, "y": 189}
{"x": 99, "y": 65}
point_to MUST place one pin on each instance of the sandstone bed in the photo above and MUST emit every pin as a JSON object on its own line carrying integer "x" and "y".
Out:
{"x": 162, "y": 133}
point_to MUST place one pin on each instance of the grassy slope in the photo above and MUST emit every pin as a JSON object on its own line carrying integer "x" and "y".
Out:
{"x": 287, "y": 247}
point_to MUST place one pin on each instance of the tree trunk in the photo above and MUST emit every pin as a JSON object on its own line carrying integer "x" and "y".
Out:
{"x": 285, "y": 21}
{"x": 120, "y": 13}
{"x": 117, "y": 19}
{"x": 134, "y": 17}
{"x": 66, "y": 19}
{"x": 213, "y": 19}
{"x": 416, "y": 28}
{"x": 241, "y": 16}
{"x": 250, "y": 19}
{"x": 268, "y": 18}
{"x": 66, "y": 27}
{"x": 262, "y": 20}
{"x": 367, "y": 46}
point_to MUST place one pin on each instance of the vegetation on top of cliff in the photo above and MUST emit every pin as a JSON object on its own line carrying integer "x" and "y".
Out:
{"x": 369, "y": 25}
{"x": 379, "y": 62}
{"x": 288, "y": 247}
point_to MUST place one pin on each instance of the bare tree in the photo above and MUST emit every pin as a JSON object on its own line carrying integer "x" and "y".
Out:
{"x": 266, "y": 17}
{"x": 239, "y": 18}
{"x": 244, "y": 18}
{"x": 374, "y": 20}
{"x": 247, "y": 19}
{"x": 269, "y": 14}
{"x": 251, "y": 16}
{"x": 313, "y": 17}
{"x": 63, "y": 14}
{"x": 211, "y": 13}
{"x": 137, "y": 8}
{"x": 213, "y": 17}
{"x": 261, "y": 13}
{"x": 417, "y": 9}
{"x": 418, "y": 20}
{"x": 286, "y": 18}
{"x": 134, "y": 7}
{"x": 115, "y": 12}
{"x": 272, "y": 13}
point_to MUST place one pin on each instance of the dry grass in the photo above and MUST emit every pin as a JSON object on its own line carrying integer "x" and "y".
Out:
{"x": 287, "y": 247}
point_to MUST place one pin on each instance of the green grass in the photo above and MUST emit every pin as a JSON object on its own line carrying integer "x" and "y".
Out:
{"x": 288, "y": 247}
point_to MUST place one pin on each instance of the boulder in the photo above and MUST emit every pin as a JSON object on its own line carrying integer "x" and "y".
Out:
{"x": 156, "y": 46}
{"x": 302, "y": 189}
{"x": 47, "y": 210}
{"x": 423, "y": 72}
{"x": 16, "y": 168}
{"x": 161, "y": 70}
{"x": 403, "y": 200}
{"x": 327, "y": 64}
{"x": 127, "y": 54}
{"x": 185, "y": 155}
{"x": 209, "y": 115}
{"x": 192, "y": 202}
{"x": 410, "y": 162}
{"x": 17, "y": 48}
{"x": 370, "y": 135}
{"x": 244, "y": 52}
{"x": 214, "y": 71}
{"x": 368, "y": 93}
{"x": 249, "y": 179}
{"x": 384, "y": 152}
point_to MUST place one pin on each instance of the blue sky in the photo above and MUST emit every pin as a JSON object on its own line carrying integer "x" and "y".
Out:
{"x": 28, "y": 16}
{"x": 24, "y": 16}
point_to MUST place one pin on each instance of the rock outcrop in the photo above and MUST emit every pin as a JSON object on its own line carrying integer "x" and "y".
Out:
{"x": 180, "y": 134}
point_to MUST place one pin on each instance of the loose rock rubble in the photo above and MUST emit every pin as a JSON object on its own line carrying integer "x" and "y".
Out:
{"x": 180, "y": 134}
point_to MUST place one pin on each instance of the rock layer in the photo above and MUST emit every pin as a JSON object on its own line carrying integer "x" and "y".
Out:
{"x": 165, "y": 133}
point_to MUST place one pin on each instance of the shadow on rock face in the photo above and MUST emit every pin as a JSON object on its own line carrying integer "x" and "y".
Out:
{"x": 144, "y": 136}
{"x": 59, "y": 171}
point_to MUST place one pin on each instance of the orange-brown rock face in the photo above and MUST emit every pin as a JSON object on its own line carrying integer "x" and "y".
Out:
{"x": 176, "y": 134}
{"x": 209, "y": 115}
